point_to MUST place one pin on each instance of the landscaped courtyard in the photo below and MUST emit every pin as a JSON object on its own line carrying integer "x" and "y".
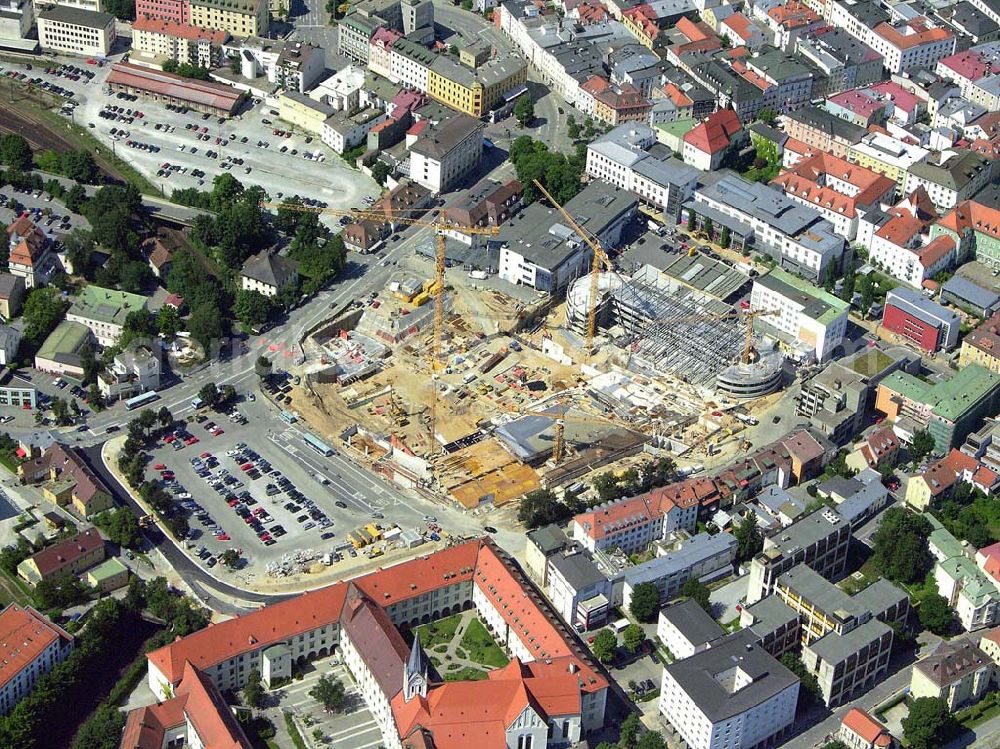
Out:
{"x": 460, "y": 647}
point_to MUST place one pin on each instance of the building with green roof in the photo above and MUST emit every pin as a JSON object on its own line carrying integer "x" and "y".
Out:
{"x": 60, "y": 352}
{"x": 950, "y": 410}
{"x": 109, "y": 575}
{"x": 104, "y": 311}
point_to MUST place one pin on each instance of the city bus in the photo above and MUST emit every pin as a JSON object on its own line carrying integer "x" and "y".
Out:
{"x": 141, "y": 400}
{"x": 289, "y": 417}
{"x": 317, "y": 444}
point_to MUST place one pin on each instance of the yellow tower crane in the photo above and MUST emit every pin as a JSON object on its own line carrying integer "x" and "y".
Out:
{"x": 440, "y": 226}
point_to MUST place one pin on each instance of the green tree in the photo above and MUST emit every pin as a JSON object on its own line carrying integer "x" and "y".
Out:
{"x": 935, "y": 613}
{"x": 164, "y": 417}
{"x": 726, "y": 239}
{"x": 695, "y": 589}
{"x": 330, "y": 693}
{"x": 929, "y": 724}
{"x": 651, "y": 740}
{"x": 168, "y": 321}
{"x": 900, "y": 546}
{"x": 209, "y": 393}
{"x": 205, "y": 324}
{"x": 79, "y": 246}
{"x": 252, "y": 307}
{"x": 542, "y": 507}
{"x": 767, "y": 116}
{"x": 645, "y": 604}
{"x": 380, "y": 172}
{"x": 633, "y": 637}
{"x": 43, "y": 309}
{"x": 604, "y": 645}
{"x": 628, "y": 732}
{"x": 15, "y": 152}
{"x": 835, "y": 744}
{"x": 524, "y": 110}
{"x": 262, "y": 367}
{"x": 102, "y": 730}
{"x": 253, "y": 690}
{"x": 750, "y": 540}
{"x": 692, "y": 223}
{"x": 709, "y": 228}
{"x": 88, "y": 362}
{"x": 120, "y": 526}
{"x": 922, "y": 445}
{"x": 809, "y": 691}
{"x": 75, "y": 197}
{"x": 230, "y": 558}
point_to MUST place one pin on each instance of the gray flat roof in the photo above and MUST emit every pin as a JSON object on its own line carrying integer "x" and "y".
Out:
{"x": 692, "y": 621}
{"x": 577, "y": 569}
{"x": 820, "y": 592}
{"x": 769, "y": 614}
{"x": 810, "y": 529}
{"x": 967, "y": 291}
{"x": 548, "y": 538}
{"x": 78, "y": 17}
{"x": 834, "y": 648}
{"x": 700, "y": 547}
{"x": 703, "y": 676}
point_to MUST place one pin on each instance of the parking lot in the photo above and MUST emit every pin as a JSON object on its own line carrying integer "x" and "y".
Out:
{"x": 177, "y": 138}
{"x": 354, "y": 728}
{"x": 50, "y": 215}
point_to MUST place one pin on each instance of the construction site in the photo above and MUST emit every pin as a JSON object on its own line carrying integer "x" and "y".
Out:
{"x": 469, "y": 393}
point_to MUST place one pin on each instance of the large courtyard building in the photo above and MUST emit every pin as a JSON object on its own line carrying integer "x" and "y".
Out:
{"x": 549, "y": 694}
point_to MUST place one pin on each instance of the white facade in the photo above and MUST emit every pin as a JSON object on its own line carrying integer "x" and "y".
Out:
{"x": 438, "y": 172}
{"x": 93, "y": 35}
{"x": 19, "y": 684}
{"x": 822, "y": 335}
{"x": 16, "y": 18}
{"x": 407, "y": 71}
{"x": 902, "y": 56}
{"x": 674, "y": 640}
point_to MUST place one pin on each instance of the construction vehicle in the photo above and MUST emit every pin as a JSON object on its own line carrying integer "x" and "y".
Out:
{"x": 440, "y": 226}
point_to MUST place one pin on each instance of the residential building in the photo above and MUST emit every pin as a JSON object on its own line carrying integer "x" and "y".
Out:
{"x": 707, "y": 144}
{"x": 200, "y": 96}
{"x": 615, "y": 103}
{"x": 345, "y": 130}
{"x": 489, "y": 203}
{"x": 239, "y": 17}
{"x": 942, "y": 476}
{"x": 269, "y": 274}
{"x": 68, "y": 557}
{"x": 732, "y": 695}
{"x": 475, "y": 92}
{"x": 842, "y": 192}
{"x": 957, "y": 672}
{"x": 10, "y": 342}
{"x": 950, "y": 410}
{"x": 108, "y": 576}
{"x": 11, "y": 295}
{"x": 880, "y": 448}
{"x": 969, "y": 590}
{"x": 823, "y": 131}
{"x": 76, "y": 31}
{"x": 982, "y": 345}
{"x": 928, "y": 325}
{"x": 819, "y": 540}
{"x": 845, "y": 62}
{"x": 953, "y": 178}
{"x": 542, "y": 544}
{"x": 67, "y": 481}
{"x": 859, "y": 730}
{"x": 685, "y": 628}
{"x": 773, "y": 623}
{"x": 156, "y": 41}
{"x": 975, "y": 229}
{"x": 30, "y": 253}
{"x": 170, "y": 11}
{"x": 858, "y": 499}
{"x": 59, "y": 354}
{"x": 573, "y": 578}
{"x": 620, "y": 158}
{"x": 703, "y": 557}
{"x": 810, "y": 320}
{"x": 304, "y": 111}
{"x": 540, "y": 251}
{"x": 887, "y": 155}
{"x": 299, "y": 66}
{"x": 446, "y": 154}
{"x": 989, "y": 643}
{"x": 354, "y": 35}
{"x": 32, "y": 646}
{"x": 848, "y": 665}
{"x": 550, "y": 692}
{"x": 159, "y": 256}
{"x": 104, "y": 311}
{"x": 761, "y": 218}
{"x": 132, "y": 371}
{"x": 909, "y": 44}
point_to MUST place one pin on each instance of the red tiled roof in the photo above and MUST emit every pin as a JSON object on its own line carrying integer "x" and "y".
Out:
{"x": 968, "y": 64}
{"x": 866, "y": 727}
{"x": 52, "y": 560}
{"x": 936, "y": 250}
{"x": 970, "y": 215}
{"x": 793, "y": 15}
{"x": 145, "y": 727}
{"x": 858, "y": 101}
{"x": 991, "y": 561}
{"x": 202, "y": 93}
{"x": 695, "y": 32}
{"x": 179, "y": 30}
{"x": 209, "y": 713}
{"x": 715, "y": 133}
{"x": 919, "y": 33}
{"x": 898, "y": 95}
{"x": 740, "y": 24}
{"x": 24, "y": 635}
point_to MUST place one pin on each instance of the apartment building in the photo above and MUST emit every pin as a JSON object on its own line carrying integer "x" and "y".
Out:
{"x": 574, "y": 581}
{"x": 957, "y": 672}
{"x": 132, "y": 371}
{"x": 773, "y": 623}
{"x": 489, "y": 203}
{"x": 68, "y": 557}
{"x": 702, "y": 557}
{"x": 909, "y": 44}
{"x": 823, "y": 131}
{"x": 620, "y": 157}
{"x": 76, "y": 31}
{"x": 952, "y": 178}
{"x": 706, "y": 144}
{"x": 887, "y": 155}
{"x": 685, "y": 628}
{"x": 950, "y": 410}
{"x": 819, "y": 540}
{"x": 858, "y": 730}
{"x": 104, "y": 311}
{"x": 32, "y": 646}
{"x": 849, "y": 665}
{"x": 17, "y": 18}
{"x": 731, "y": 695}
{"x": 845, "y": 62}
{"x": 475, "y": 92}
{"x": 969, "y": 589}
{"x": 238, "y": 17}
{"x": 899, "y": 240}
{"x": 269, "y": 273}
{"x": 156, "y": 41}
{"x": 30, "y": 253}
{"x": 982, "y": 345}
{"x": 763, "y": 219}
{"x": 810, "y": 320}
{"x": 975, "y": 229}
{"x": 168, "y": 11}
{"x": 447, "y": 153}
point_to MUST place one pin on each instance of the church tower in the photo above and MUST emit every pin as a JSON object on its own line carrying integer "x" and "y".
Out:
{"x": 415, "y": 676}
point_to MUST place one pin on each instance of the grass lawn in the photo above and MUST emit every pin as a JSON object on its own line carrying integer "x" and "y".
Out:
{"x": 480, "y": 646}
{"x": 440, "y": 632}
{"x": 465, "y": 674}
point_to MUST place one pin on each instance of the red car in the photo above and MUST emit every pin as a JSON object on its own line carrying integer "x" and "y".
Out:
{"x": 159, "y": 467}
{"x": 168, "y": 475}
{"x": 169, "y": 438}
{"x": 218, "y": 432}
{"x": 206, "y": 455}
{"x": 192, "y": 440}
{"x": 246, "y": 466}
{"x": 225, "y": 537}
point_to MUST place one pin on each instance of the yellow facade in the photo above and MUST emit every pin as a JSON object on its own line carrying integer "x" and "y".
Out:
{"x": 637, "y": 31}
{"x": 309, "y": 118}
{"x": 918, "y": 493}
{"x": 877, "y": 165}
{"x": 975, "y": 355}
{"x": 476, "y": 100}
{"x": 816, "y": 623}
{"x": 238, "y": 18}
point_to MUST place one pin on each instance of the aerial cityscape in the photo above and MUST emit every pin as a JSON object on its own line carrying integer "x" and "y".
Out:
{"x": 500, "y": 374}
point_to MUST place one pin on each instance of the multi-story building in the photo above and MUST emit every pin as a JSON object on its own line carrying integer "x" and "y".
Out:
{"x": 269, "y": 273}
{"x": 839, "y": 190}
{"x": 60, "y": 353}
{"x": 76, "y": 31}
{"x": 169, "y": 11}
{"x": 761, "y": 218}
{"x": 810, "y": 320}
{"x": 685, "y": 628}
{"x": 104, "y": 311}
{"x": 848, "y": 665}
{"x": 982, "y": 345}
{"x": 703, "y": 557}
{"x": 899, "y": 242}
{"x": 975, "y": 229}
{"x": 239, "y": 17}
{"x": 970, "y": 591}
{"x": 156, "y": 41}
{"x": 909, "y": 44}
{"x": 887, "y": 155}
{"x": 446, "y": 154}
{"x": 949, "y": 409}
{"x": 910, "y": 314}
{"x": 68, "y": 557}
{"x": 823, "y": 131}
{"x": 489, "y": 203}
{"x": 732, "y": 695}
{"x": 540, "y": 251}
{"x": 707, "y": 143}
{"x": 32, "y": 646}
{"x": 775, "y": 625}
{"x": 553, "y": 694}
{"x": 475, "y": 92}
{"x": 846, "y": 62}
{"x": 957, "y": 672}
{"x": 345, "y": 130}
{"x": 819, "y": 540}
{"x": 17, "y": 17}
{"x": 953, "y": 178}
{"x": 574, "y": 579}
{"x": 354, "y": 35}
{"x": 620, "y": 158}
{"x": 132, "y": 371}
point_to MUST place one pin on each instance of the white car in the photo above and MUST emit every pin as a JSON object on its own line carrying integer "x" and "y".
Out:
{"x": 251, "y": 397}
